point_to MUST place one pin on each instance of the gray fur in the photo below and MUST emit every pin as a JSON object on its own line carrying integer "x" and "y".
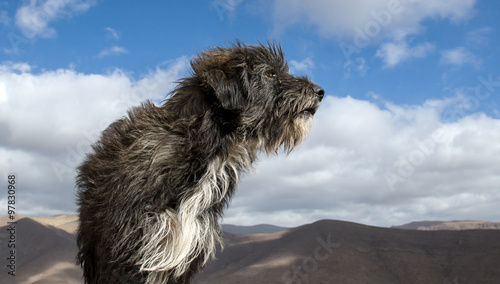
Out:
{"x": 153, "y": 188}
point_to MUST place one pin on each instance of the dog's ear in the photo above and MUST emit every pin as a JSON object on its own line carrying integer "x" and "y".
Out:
{"x": 222, "y": 72}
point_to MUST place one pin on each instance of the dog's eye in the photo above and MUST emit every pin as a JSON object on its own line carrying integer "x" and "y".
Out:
{"x": 271, "y": 74}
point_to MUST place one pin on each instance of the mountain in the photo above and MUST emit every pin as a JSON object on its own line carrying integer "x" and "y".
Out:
{"x": 68, "y": 223}
{"x": 341, "y": 252}
{"x": 45, "y": 254}
{"x": 326, "y": 251}
{"x": 449, "y": 225}
{"x": 249, "y": 230}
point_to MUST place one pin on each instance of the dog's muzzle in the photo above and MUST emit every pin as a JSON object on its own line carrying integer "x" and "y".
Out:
{"x": 311, "y": 109}
{"x": 319, "y": 92}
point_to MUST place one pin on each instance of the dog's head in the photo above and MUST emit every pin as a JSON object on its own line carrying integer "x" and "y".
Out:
{"x": 252, "y": 91}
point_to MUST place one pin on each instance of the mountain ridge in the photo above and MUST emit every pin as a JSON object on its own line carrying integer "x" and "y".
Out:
{"x": 449, "y": 225}
{"x": 325, "y": 251}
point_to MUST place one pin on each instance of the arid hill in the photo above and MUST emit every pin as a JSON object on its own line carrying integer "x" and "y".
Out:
{"x": 250, "y": 230}
{"x": 340, "y": 252}
{"x": 322, "y": 252}
{"x": 450, "y": 225}
{"x": 45, "y": 254}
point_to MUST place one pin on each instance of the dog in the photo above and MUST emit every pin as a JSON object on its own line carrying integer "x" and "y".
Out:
{"x": 152, "y": 190}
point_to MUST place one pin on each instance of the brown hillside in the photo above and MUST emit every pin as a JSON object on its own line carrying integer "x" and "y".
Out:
{"x": 323, "y": 252}
{"x": 68, "y": 223}
{"x": 44, "y": 254}
{"x": 450, "y": 225}
{"x": 357, "y": 254}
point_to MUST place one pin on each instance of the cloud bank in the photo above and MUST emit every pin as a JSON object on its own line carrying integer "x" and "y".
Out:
{"x": 396, "y": 19}
{"x": 366, "y": 161}
{"x": 379, "y": 165}
{"x": 49, "y": 119}
{"x": 361, "y": 23}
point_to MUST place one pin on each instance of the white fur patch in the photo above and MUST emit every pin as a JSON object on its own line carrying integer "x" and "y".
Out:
{"x": 172, "y": 240}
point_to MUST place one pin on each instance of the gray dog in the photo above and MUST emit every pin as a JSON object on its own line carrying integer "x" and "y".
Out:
{"x": 152, "y": 190}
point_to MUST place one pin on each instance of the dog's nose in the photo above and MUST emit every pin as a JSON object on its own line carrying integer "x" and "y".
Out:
{"x": 319, "y": 92}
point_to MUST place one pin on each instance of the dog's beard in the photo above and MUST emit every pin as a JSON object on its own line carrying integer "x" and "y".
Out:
{"x": 292, "y": 135}
{"x": 302, "y": 124}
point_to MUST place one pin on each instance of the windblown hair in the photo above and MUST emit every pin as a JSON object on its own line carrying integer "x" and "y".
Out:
{"x": 151, "y": 192}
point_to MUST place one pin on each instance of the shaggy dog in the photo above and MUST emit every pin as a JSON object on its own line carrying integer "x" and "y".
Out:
{"x": 152, "y": 190}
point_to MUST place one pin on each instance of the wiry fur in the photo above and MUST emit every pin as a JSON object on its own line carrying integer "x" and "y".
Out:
{"x": 152, "y": 190}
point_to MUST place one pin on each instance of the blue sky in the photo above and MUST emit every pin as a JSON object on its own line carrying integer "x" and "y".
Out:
{"x": 397, "y": 73}
{"x": 135, "y": 36}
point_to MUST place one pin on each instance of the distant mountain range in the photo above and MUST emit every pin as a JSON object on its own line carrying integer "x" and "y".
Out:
{"x": 326, "y": 251}
{"x": 250, "y": 230}
{"x": 450, "y": 225}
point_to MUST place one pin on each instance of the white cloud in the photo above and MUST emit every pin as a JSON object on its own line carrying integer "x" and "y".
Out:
{"x": 14, "y": 67}
{"x": 360, "y": 23}
{"x": 34, "y": 17}
{"x": 380, "y": 166}
{"x": 114, "y": 50}
{"x": 394, "y": 19}
{"x": 460, "y": 56}
{"x": 301, "y": 67}
{"x": 362, "y": 162}
{"x": 48, "y": 120}
{"x": 112, "y": 33}
{"x": 394, "y": 53}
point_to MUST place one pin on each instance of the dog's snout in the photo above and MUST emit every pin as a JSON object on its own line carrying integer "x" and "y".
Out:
{"x": 319, "y": 92}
